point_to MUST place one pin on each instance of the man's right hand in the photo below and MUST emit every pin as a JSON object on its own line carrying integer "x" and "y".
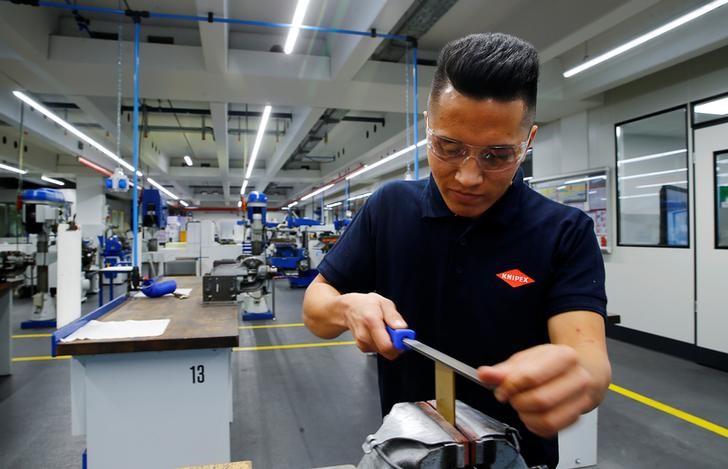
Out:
{"x": 366, "y": 316}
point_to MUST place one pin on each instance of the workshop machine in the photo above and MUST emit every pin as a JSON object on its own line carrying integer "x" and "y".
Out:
{"x": 444, "y": 433}
{"x": 13, "y": 264}
{"x": 248, "y": 280}
{"x": 43, "y": 209}
{"x": 154, "y": 216}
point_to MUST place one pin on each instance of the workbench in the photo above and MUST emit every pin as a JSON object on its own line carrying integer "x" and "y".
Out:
{"x": 6, "y": 305}
{"x": 154, "y": 402}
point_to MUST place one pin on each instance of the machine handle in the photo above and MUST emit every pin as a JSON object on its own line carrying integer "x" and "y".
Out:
{"x": 397, "y": 336}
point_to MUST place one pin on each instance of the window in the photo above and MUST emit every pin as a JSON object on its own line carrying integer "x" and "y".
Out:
{"x": 710, "y": 111}
{"x": 652, "y": 180}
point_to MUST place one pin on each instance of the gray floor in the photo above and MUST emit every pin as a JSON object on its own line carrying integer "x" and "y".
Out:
{"x": 312, "y": 407}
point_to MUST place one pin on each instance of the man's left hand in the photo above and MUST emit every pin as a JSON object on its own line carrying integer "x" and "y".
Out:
{"x": 546, "y": 385}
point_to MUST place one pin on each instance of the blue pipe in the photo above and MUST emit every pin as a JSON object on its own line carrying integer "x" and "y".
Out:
{"x": 135, "y": 193}
{"x": 219, "y": 19}
{"x": 64, "y": 6}
{"x": 415, "y": 112}
{"x": 155, "y": 289}
{"x": 346, "y": 200}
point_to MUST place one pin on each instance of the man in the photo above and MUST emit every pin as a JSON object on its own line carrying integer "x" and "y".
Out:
{"x": 479, "y": 265}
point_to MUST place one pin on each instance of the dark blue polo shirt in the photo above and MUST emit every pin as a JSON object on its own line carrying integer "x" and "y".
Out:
{"x": 477, "y": 289}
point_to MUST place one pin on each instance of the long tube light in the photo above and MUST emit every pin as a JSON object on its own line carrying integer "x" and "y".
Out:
{"x": 705, "y": 9}
{"x": 652, "y": 194}
{"x": 316, "y": 192}
{"x": 360, "y": 196}
{"x": 656, "y": 173}
{"x": 52, "y": 181}
{"x": 401, "y": 152}
{"x": 50, "y": 115}
{"x": 335, "y": 204}
{"x": 185, "y": 204}
{"x": 243, "y": 187}
{"x": 161, "y": 188}
{"x": 13, "y": 169}
{"x": 651, "y": 157}
{"x": 259, "y": 139}
{"x": 292, "y": 204}
{"x": 296, "y": 23}
{"x": 94, "y": 166}
{"x": 660, "y": 184}
{"x": 585, "y": 179}
{"x": 188, "y": 160}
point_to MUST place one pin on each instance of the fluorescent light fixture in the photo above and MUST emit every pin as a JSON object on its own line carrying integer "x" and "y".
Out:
{"x": 335, "y": 204}
{"x": 46, "y": 112}
{"x": 656, "y": 173}
{"x": 316, "y": 192}
{"x": 705, "y": 9}
{"x": 403, "y": 151}
{"x": 52, "y": 181}
{"x": 161, "y": 188}
{"x": 526, "y": 179}
{"x": 360, "y": 196}
{"x": 651, "y": 157}
{"x": 184, "y": 203}
{"x": 719, "y": 107}
{"x": 94, "y": 166}
{"x": 652, "y": 194}
{"x": 296, "y": 23}
{"x": 259, "y": 139}
{"x": 240, "y": 203}
{"x": 12, "y": 169}
{"x": 188, "y": 160}
{"x": 618, "y": 131}
{"x": 644, "y": 186}
{"x": 590, "y": 178}
{"x": 243, "y": 187}
{"x": 561, "y": 188}
{"x": 292, "y": 204}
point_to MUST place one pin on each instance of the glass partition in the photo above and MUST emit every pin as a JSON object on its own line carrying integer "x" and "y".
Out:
{"x": 652, "y": 180}
{"x": 588, "y": 191}
{"x": 721, "y": 199}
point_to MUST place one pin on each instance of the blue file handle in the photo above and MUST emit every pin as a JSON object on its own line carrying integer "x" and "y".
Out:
{"x": 397, "y": 335}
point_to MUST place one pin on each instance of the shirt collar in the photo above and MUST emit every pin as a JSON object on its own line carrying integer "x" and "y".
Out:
{"x": 501, "y": 212}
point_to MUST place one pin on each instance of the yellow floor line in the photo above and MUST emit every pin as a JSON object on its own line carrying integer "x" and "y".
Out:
{"x": 292, "y": 346}
{"x": 273, "y": 326}
{"x": 29, "y": 336}
{"x": 702, "y": 423}
{"x": 40, "y": 358}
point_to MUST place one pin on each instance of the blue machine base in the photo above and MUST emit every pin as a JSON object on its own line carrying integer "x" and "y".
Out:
{"x": 257, "y": 316}
{"x": 38, "y": 324}
{"x": 302, "y": 281}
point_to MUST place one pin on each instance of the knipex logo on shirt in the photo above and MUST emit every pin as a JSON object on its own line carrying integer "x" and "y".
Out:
{"x": 515, "y": 278}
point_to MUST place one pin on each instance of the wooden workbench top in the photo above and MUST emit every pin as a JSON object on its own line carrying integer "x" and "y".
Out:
{"x": 191, "y": 326}
{"x": 9, "y": 284}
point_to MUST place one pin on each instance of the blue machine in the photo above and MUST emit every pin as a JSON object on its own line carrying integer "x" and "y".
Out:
{"x": 113, "y": 253}
{"x": 286, "y": 256}
{"x": 341, "y": 224}
{"x": 154, "y": 210}
{"x": 294, "y": 222}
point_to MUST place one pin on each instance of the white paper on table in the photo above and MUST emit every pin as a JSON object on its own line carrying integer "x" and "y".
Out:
{"x": 119, "y": 329}
{"x": 179, "y": 291}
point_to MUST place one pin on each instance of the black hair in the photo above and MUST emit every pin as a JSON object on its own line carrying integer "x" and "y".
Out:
{"x": 489, "y": 65}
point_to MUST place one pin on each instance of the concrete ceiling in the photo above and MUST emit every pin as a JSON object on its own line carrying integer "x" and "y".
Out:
{"x": 212, "y": 73}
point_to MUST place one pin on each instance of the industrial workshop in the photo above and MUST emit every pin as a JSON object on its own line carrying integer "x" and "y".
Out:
{"x": 347, "y": 234}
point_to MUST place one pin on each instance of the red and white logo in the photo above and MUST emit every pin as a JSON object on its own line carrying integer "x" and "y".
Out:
{"x": 515, "y": 278}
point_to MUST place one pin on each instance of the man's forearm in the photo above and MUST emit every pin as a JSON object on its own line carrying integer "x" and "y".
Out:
{"x": 594, "y": 359}
{"x": 322, "y": 313}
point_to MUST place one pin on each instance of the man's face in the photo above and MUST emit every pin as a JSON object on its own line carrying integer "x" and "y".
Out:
{"x": 467, "y": 190}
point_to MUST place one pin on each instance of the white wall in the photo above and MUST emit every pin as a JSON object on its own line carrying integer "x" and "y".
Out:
{"x": 651, "y": 288}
